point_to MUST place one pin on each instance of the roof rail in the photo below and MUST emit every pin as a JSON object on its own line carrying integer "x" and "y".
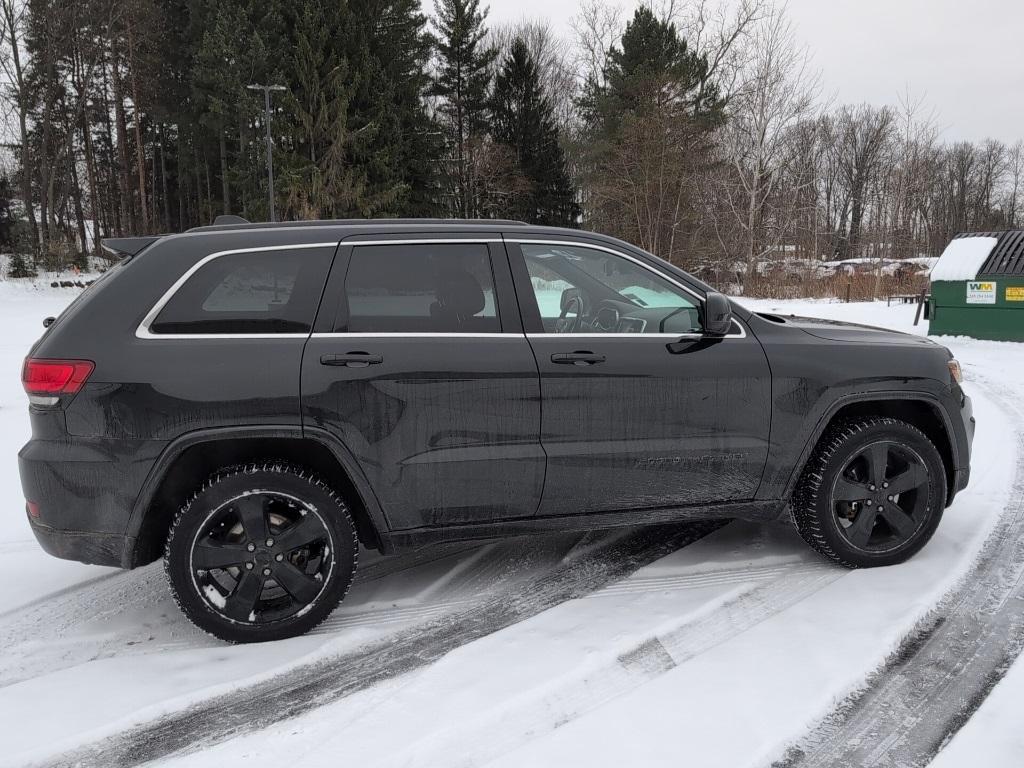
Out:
{"x": 222, "y": 222}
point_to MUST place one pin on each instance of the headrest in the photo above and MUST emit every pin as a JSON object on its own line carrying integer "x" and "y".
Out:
{"x": 460, "y": 293}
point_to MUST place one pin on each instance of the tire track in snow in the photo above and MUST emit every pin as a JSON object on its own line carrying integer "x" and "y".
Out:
{"x": 40, "y": 638}
{"x": 261, "y": 705}
{"x": 534, "y": 713}
{"x": 944, "y": 669}
{"x": 46, "y": 635}
{"x": 390, "y": 565}
{"x": 472, "y": 575}
{"x": 704, "y": 579}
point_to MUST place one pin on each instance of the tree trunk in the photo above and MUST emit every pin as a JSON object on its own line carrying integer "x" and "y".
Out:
{"x": 127, "y": 199}
{"x": 45, "y": 174}
{"x": 112, "y": 205}
{"x": 76, "y": 195}
{"x": 856, "y": 217}
{"x": 163, "y": 180}
{"x": 209, "y": 189}
{"x": 243, "y": 160}
{"x": 90, "y": 171}
{"x": 22, "y": 99}
{"x": 225, "y": 184}
{"x": 140, "y": 150}
{"x": 182, "y": 183}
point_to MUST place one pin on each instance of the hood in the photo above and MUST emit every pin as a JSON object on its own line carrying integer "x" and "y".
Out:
{"x": 833, "y": 330}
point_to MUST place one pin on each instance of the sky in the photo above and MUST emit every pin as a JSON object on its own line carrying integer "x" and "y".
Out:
{"x": 965, "y": 58}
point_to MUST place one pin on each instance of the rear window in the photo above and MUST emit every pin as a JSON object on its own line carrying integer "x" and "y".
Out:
{"x": 430, "y": 287}
{"x": 255, "y": 292}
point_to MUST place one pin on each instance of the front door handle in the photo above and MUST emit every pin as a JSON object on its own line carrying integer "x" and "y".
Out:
{"x": 577, "y": 358}
{"x": 352, "y": 359}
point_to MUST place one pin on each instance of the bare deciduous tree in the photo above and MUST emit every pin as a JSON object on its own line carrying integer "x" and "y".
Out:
{"x": 779, "y": 91}
{"x": 12, "y": 30}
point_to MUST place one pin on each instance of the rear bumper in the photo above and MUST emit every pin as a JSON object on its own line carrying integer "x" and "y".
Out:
{"x": 84, "y": 546}
{"x": 85, "y": 490}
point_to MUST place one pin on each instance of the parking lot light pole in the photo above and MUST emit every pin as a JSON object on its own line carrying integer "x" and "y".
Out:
{"x": 270, "y": 146}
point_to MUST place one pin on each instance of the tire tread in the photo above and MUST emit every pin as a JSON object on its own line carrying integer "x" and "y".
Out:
{"x": 806, "y": 496}
{"x": 282, "y": 467}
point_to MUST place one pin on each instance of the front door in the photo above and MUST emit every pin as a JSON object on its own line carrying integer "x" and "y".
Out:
{"x": 419, "y": 365}
{"x": 628, "y": 422}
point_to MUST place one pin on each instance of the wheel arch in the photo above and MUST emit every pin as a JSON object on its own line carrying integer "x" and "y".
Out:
{"x": 920, "y": 409}
{"x": 193, "y": 457}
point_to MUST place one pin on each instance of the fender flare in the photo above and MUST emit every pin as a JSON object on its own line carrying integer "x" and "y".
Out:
{"x": 866, "y": 397}
{"x": 177, "y": 447}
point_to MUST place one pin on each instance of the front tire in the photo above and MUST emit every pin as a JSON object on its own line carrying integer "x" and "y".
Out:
{"x": 261, "y": 552}
{"x": 872, "y": 493}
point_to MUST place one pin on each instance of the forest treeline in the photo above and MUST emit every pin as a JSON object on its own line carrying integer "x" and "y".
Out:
{"x": 697, "y": 130}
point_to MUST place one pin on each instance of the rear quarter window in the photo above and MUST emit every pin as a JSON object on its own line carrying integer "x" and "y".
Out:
{"x": 262, "y": 292}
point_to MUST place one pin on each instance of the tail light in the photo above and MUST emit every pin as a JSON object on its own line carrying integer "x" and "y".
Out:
{"x": 956, "y": 374}
{"x": 46, "y": 381}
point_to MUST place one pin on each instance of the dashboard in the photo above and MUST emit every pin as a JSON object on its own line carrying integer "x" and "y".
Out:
{"x": 618, "y": 317}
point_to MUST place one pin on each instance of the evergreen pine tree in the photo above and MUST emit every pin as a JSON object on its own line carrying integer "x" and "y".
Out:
{"x": 462, "y": 83}
{"x": 317, "y": 177}
{"x": 655, "y": 68}
{"x": 388, "y": 51}
{"x": 523, "y": 121}
{"x": 19, "y": 266}
{"x": 648, "y": 131}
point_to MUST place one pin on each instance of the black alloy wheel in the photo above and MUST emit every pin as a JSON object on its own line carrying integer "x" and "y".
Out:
{"x": 261, "y": 553}
{"x": 260, "y": 557}
{"x": 880, "y": 498}
{"x": 872, "y": 492}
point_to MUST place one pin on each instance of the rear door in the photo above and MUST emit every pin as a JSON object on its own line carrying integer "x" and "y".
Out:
{"x": 418, "y": 363}
{"x": 632, "y": 419}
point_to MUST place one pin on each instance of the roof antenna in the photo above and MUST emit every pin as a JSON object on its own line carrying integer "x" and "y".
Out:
{"x": 227, "y": 218}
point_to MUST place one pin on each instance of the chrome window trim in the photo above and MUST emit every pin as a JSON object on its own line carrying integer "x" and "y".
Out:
{"x": 425, "y": 241}
{"x": 677, "y": 336}
{"x": 222, "y": 336}
{"x": 418, "y": 334}
{"x": 143, "y": 331}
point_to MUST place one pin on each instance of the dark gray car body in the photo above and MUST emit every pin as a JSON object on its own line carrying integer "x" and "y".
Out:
{"x": 452, "y": 436}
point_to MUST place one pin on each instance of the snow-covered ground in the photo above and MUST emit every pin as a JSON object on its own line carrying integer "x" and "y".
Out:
{"x": 992, "y": 737}
{"x": 603, "y": 649}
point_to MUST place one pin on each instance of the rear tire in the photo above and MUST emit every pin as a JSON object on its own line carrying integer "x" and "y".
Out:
{"x": 872, "y": 493}
{"x": 261, "y": 552}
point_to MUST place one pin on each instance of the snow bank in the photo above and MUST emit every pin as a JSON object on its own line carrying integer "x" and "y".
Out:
{"x": 963, "y": 258}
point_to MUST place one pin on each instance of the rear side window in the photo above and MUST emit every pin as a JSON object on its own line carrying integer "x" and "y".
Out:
{"x": 437, "y": 288}
{"x": 255, "y": 292}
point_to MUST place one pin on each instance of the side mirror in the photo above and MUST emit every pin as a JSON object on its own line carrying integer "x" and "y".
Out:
{"x": 570, "y": 299}
{"x": 717, "y": 315}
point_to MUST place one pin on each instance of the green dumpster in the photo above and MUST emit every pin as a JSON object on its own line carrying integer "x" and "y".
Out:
{"x": 978, "y": 287}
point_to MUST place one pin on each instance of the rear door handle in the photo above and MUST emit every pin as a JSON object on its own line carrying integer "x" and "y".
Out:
{"x": 577, "y": 358}
{"x": 352, "y": 359}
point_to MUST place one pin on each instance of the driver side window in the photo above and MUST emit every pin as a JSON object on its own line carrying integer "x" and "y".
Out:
{"x": 584, "y": 290}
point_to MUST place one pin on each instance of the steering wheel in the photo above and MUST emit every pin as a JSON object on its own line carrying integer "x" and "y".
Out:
{"x": 566, "y": 324}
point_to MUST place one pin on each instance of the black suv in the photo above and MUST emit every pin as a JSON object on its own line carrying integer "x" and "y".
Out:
{"x": 254, "y": 401}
